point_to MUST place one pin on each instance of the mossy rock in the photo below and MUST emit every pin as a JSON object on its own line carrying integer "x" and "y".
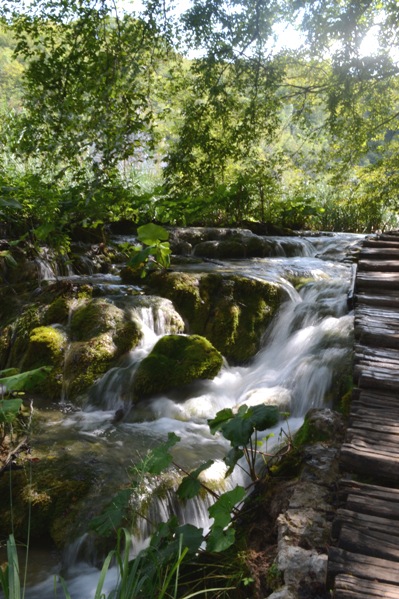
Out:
{"x": 86, "y": 361}
{"x": 183, "y": 290}
{"x": 93, "y": 318}
{"x": 5, "y": 345}
{"x": 58, "y": 311}
{"x": 45, "y": 347}
{"x": 98, "y": 316}
{"x": 319, "y": 426}
{"x": 46, "y": 499}
{"x": 30, "y": 319}
{"x": 232, "y": 311}
{"x": 175, "y": 360}
{"x": 126, "y": 336}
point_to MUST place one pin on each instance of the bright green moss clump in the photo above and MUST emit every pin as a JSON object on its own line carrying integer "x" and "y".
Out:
{"x": 176, "y": 360}
{"x": 45, "y": 348}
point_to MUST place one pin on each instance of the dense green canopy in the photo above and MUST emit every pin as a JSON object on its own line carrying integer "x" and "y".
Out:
{"x": 207, "y": 115}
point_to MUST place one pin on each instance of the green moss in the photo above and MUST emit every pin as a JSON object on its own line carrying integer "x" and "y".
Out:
{"x": 93, "y": 318}
{"x": 176, "y": 360}
{"x": 58, "y": 311}
{"x": 29, "y": 320}
{"x": 45, "y": 347}
{"x": 233, "y": 312}
{"x": 309, "y": 434}
{"x": 345, "y": 404}
{"x": 46, "y": 499}
{"x": 127, "y": 335}
{"x": 86, "y": 362}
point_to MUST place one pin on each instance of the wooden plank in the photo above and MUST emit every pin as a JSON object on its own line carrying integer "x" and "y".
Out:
{"x": 373, "y": 395}
{"x": 369, "y": 542}
{"x": 389, "y": 299}
{"x": 378, "y": 380}
{"x": 378, "y": 265}
{"x": 364, "y": 460}
{"x": 348, "y": 586}
{"x": 379, "y": 280}
{"x": 363, "y": 566}
{"x": 369, "y": 522}
{"x": 379, "y": 253}
{"x": 381, "y": 243}
{"x": 380, "y": 338}
{"x": 369, "y": 490}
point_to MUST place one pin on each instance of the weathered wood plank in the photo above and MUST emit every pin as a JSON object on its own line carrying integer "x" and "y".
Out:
{"x": 352, "y": 587}
{"x": 354, "y": 487}
{"x": 378, "y": 380}
{"x": 364, "y": 566}
{"x": 379, "y": 280}
{"x": 381, "y": 243}
{"x": 378, "y": 253}
{"x": 361, "y": 459}
{"x": 369, "y": 522}
{"x": 373, "y": 543}
{"x": 389, "y": 299}
{"x": 378, "y": 338}
{"x": 378, "y": 265}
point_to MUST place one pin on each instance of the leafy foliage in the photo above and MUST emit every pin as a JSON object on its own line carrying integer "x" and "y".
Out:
{"x": 239, "y": 428}
{"x": 153, "y": 253}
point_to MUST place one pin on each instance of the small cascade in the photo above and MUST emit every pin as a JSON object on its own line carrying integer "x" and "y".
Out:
{"x": 305, "y": 357}
{"x": 156, "y": 317}
{"x": 48, "y": 267}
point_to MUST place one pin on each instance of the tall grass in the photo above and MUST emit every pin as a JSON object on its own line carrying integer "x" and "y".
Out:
{"x": 136, "y": 580}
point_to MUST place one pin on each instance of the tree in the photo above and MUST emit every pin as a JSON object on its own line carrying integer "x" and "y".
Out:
{"x": 89, "y": 101}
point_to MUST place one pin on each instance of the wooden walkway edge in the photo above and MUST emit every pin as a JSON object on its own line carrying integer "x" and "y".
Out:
{"x": 364, "y": 561}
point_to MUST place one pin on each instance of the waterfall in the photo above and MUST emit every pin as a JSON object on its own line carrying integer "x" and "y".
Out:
{"x": 305, "y": 356}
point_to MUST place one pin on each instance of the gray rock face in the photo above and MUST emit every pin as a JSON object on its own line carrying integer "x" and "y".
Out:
{"x": 304, "y": 528}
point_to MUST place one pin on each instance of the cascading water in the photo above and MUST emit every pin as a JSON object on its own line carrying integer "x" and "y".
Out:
{"x": 305, "y": 353}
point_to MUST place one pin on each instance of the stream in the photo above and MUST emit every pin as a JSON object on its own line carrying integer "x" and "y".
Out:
{"x": 306, "y": 349}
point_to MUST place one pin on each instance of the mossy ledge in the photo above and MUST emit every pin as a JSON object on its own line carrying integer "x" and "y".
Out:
{"x": 232, "y": 311}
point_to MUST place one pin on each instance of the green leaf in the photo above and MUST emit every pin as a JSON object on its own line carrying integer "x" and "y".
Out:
{"x": 139, "y": 258}
{"x": 192, "y": 537}
{"x": 238, "y": 428}
{"x": 159, "y": 458}
{"x": 190, "y": 485}
{"x": 263, "y": 417}
{"x": 220, "y": 539}
{"x": 232, "y": 458}
{"x": 112, "y": 517}
{"x": 221, "y": 510}
{"x": 26, "y": 381}
{"x": 9, "y": 409}
{"x": 150, "y": 234}
{"x": 238, "y": 431}
{"x": 221, "y": 417}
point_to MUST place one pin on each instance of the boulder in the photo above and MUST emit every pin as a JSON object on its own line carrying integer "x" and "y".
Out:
{"x": 175, "y": 360}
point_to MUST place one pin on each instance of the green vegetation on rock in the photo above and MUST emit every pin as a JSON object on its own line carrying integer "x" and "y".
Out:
{"x": 174, "y": 361}
{"x": 232, "y": 311}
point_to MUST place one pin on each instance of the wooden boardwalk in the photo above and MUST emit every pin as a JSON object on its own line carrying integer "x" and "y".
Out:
{"x": 364, "y": 561}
